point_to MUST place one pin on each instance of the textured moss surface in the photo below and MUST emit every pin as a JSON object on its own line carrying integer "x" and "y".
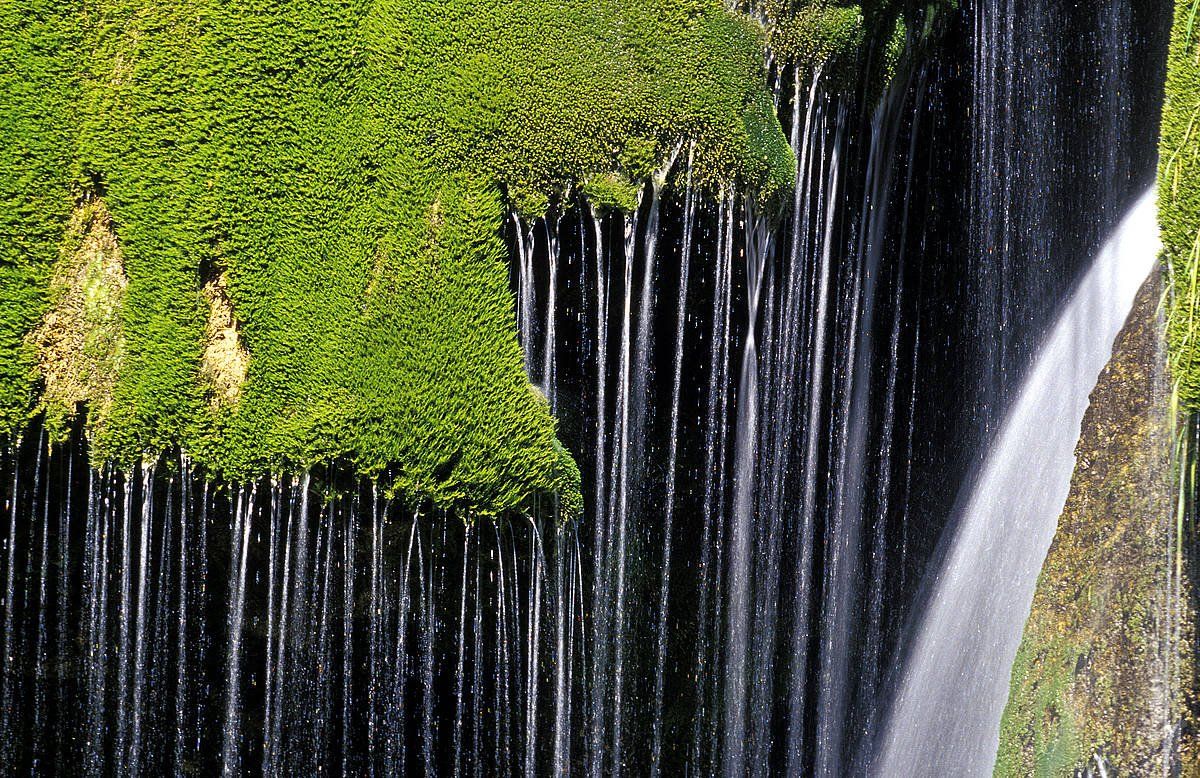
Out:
{"x": 1098, "y": 670}
{"x": 855, "y": 45}
{"x": 307, "y": 201}
{"x": 1179, "y": 198}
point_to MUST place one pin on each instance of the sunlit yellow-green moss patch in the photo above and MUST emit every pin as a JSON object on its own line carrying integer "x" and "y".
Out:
{"x": 305, "y": 202}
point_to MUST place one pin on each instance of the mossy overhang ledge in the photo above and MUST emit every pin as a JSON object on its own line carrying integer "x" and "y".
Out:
{"x": 306, "y": 202}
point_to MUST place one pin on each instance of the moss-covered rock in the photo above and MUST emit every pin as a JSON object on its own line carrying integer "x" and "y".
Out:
{"x": 307, "y": 201}
{"x": 857, "y": 46}
{"x": 1099, "y": 673}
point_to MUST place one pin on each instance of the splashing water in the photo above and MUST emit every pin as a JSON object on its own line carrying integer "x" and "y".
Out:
{"x": 946, "y": 717}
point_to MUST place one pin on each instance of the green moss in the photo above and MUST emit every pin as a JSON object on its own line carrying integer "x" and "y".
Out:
{"x": 39, "y": 81}
{"x": 611, "y": 191}
{"x": 1179, "y": 199}
{"x": 1037, "y": 731}
{"x": 857, "y": 46}
{"x": 340, "y": 172}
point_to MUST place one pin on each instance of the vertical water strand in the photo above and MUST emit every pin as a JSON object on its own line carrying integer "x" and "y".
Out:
{"x": 99, "y": 523}
{"x": 156, "y": 687}
{"x": 324, "y": 667}
{"x": 633, "y": 402}
{"x": 766, "y": 528}
{"x": 843, "y": 532}
{"x": 159, "y": 680}
{"x": 460, "y": 669}
{"x": 397, "y": 745}
{"x": 477, "y": 666}
{"x": 561, "y": 659}
{"x": 578, "y": 622}
{"x": 529, "y": 642}
{"x": 499, "y": 670}
{"x": 204, "y": 641}
{"x": 349, "y": 528}
{"x": 273, "y": 584}
{"x": 23, "y": 655}
{"x": 549, "y": 345}
{"x": 792, "y": 381}
{"x": 140, "y": 636}
{"x": 701, "y": 676}
{"x": 813, "y": 427}
{"x": 519, "y": 612}
{"x": 537, "y": 565}
{"x": 307, "y": 747}
{"x": 880, "y": 547}
{"x": 721, "y": 471}
{"x": 526, "y": 301}
{"x": 400, "y": 668}
{"x": 643, "y": 363}
{"x": 902, "y": 562}
{"x": 758, "y": 238}
{"x": 428, "y": 620}
{"x": 995, "y": 147}
{"x": 7, "y": 707}
{"x": 183, "y": 684}
{"x": 231, "y": 758}
{"x": 863, "y": 483}
{"x": 564, "y": 607}
{"x": 300, "y": 681}
{"x": 282, "y": 632}
{"x": 779, "y": 382}
{"x": 601, "y": 515}
{"x": 526, "y": 637}
{"x": 689, "y": 218}
{"x": 504, "y": 640}
{"x": 393, "y": 661}
{"x": 983, "y": 153}
{"x": 375, "y": 638}
{"x": 16, "y": 661}
{"x": 315, "y": 675}
{"x": 620, "y": 479}
{"x": 63, "y": 634}
{"x": 1008, "y": 101}
{"x": 41, "y": 648}
{"x": 124, "y": 647}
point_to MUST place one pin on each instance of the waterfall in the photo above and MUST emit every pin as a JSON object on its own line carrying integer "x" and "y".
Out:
{"x": 773, "y": 405}
{"x": 952, "y": 692}
{"x": 685, "y": 253}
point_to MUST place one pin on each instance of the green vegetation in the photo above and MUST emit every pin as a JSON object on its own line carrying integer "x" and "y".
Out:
{"x": 1179, "y": 218}
{"x": 857, "y": 45}
{"x": 39, "y": 80}
{"x": 302, "y": 211}
{"x": 1179, "y": 200}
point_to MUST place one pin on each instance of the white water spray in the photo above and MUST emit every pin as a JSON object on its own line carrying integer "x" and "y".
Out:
{"x": 946, "y": 715}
